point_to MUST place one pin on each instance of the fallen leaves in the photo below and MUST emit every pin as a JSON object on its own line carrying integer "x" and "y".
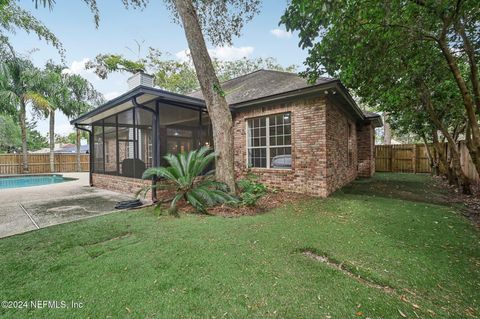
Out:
{"x": 402, "y": 314}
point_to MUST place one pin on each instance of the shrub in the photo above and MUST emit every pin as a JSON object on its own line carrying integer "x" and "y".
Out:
{"x": 185, "y": 172}
{"x": 251, "y": 190}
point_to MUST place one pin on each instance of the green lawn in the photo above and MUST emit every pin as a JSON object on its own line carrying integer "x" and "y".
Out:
{"x": 137, "y": 265}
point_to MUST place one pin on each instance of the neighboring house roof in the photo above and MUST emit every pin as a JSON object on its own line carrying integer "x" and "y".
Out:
{"x": 68, "y": 148}
{"x": 73, "y": 149}
{"x": 248, "y": 90}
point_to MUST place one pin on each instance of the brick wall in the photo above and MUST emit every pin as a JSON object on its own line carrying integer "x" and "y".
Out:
{"x": 366, "y": 150}
{"x": 327, "y": 149}
{"x": 341, "y": 148}
{"x": 307, "y": 174}
{"x": 119, "y": 184}
{"x": 126, "y": 185}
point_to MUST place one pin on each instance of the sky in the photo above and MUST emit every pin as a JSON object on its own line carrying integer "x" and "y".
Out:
{"x": 72, "y": 22}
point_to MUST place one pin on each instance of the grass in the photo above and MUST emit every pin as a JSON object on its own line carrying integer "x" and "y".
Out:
{"x": 137, "y": 265}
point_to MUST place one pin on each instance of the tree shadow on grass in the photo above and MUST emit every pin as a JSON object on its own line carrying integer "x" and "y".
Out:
{"x": 411, "y": 187}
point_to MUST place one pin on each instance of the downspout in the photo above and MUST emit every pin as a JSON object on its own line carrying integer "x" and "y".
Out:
{"x": 90, "y": 142}
{"x": 154, "y": 142}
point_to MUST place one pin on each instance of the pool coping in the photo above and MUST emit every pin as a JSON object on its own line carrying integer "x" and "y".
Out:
{"x": 39, "y": 174}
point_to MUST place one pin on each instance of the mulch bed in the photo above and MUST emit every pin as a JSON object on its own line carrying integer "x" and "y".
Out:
{"x": 269, "y": 201}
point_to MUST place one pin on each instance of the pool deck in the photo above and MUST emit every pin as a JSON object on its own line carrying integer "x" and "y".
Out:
{"x": 30, "y": 208}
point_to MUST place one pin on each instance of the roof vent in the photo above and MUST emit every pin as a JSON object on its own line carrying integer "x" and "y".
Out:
{"x": 138, "y": 79}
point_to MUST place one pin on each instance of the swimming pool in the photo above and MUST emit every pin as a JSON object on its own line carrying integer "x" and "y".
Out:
{"x": 31, "y": 180}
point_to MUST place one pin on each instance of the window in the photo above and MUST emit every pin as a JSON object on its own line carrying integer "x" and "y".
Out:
{"x": 270, "y": 141}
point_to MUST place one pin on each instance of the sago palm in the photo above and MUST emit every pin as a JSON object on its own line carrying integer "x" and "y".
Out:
{"x": 185, "y": 174}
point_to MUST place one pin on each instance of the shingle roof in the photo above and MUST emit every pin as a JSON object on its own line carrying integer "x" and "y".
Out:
{"x": 262, "y": 83}
{"x": 268, "y": 83}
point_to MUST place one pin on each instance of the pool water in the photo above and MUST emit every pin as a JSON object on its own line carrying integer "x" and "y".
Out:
{"x": 26, "y": 181}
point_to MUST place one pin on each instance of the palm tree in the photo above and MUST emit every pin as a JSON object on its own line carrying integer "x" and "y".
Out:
{"x": 56, "y": 92}
{"x": 19, "y": 84}
{"x": 83, "y": 97}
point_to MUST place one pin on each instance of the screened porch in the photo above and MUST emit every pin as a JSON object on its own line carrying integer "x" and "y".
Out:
{"x": 136, "y": 130}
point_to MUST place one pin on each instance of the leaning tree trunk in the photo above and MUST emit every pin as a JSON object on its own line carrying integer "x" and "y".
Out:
{"x": 468, "y": 102}
{"x": 440, "y": 154}
{"x": 213, "y": 95}
{"x": 23, "y": 128}
{"x": 431, "y": 160}
{"x": 52, "y": 140}
{"x": 470, "y": 51}
{"x": 77, "y": 142}
{"x": 462, "y": 180}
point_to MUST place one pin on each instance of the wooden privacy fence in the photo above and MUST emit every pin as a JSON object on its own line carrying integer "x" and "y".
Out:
{"x": 413, "y": 158}
{"x": 405, "y": 158}
{"x": 40, "y": 163}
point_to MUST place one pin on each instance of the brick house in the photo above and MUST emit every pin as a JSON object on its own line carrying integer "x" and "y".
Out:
{"x": 296, "y": 136}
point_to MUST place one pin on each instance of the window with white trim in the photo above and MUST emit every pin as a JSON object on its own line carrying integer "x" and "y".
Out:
{"x": 269, "y": 141}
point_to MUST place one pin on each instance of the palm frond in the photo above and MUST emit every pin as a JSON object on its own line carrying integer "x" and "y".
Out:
{"x": 38, "y": 100}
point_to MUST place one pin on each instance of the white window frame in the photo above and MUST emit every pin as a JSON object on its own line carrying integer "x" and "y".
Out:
{"x": 267, "y": 136}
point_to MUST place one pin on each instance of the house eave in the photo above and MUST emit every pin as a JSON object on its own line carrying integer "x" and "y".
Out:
{"x": 375, "y": 120}
{"x": 126, "y": 98}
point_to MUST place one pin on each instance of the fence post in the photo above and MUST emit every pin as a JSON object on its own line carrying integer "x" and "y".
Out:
{"x": 414, "y": 159}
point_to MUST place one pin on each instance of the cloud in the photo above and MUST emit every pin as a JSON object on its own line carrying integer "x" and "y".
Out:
{"x": 183, "y": 55}
{"x": 231, "y": 53}
{"x": 281, "y": 34}
{"x": 111, "y": 95}
{"x": 227, "y": 53}
{"x": 78, "y": 67}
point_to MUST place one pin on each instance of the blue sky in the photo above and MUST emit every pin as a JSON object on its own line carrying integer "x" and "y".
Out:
{"x": 73, "y": 24}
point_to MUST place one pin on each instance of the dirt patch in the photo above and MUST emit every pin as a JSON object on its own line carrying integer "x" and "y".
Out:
{"x": 107, "y": 245}
{"x": 121, "y": 236}
{"x": 345, "y": 271}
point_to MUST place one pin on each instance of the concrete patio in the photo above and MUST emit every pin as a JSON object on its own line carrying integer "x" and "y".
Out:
{"x": 30, "y": 208}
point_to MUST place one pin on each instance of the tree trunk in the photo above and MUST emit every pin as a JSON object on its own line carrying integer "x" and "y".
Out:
{"x": 433, "y": 166}
{"x": 213, "y": 95}
{"x": 77, "y": 142}
{"x": 470, "y": 51}
{"x": 52, "y": 141}
{"x": 467, "y": 102}
{"x": 462, "y": 180}
{"x": 387, "y": 132}
{"x": 441, "y": 156}
{"x": 23, "y": 128}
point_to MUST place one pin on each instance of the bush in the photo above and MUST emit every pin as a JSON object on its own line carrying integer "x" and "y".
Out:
{"x": 251, "y": 190}
{"x": 185, "y": 173}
